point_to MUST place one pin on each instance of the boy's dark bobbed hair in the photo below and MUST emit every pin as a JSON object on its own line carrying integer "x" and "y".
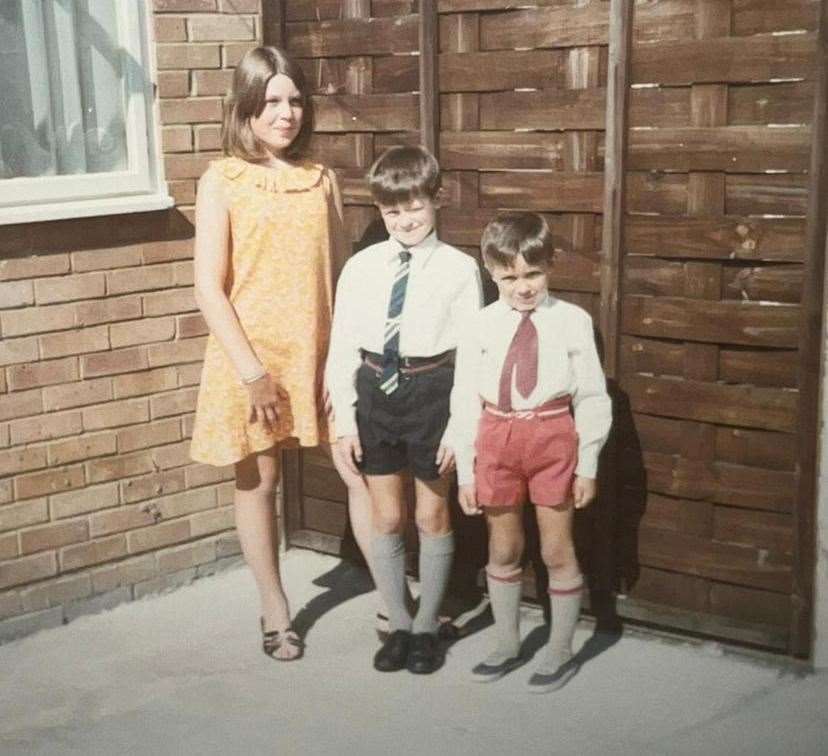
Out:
{"x": 404, "y": 173}
{"x": 510, "y": 234}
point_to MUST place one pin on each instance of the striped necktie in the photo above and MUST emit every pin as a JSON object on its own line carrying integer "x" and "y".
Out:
{"x": 390, "y": 378}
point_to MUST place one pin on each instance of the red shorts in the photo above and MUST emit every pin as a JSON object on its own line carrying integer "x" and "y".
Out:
{"x": 526, "y": 452}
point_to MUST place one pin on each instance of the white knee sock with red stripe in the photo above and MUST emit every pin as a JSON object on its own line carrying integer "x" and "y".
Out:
{"x": 565, "y": 599}
{"x": 504, "y": 595}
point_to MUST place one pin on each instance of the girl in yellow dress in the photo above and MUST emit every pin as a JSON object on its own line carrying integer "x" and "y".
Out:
{"x": 269, "y": 239}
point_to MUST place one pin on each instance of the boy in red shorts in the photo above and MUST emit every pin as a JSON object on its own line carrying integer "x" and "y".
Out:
{"x": 529, "y": 415}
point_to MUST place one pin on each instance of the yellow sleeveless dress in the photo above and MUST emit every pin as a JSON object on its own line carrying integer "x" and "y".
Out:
{"x": 281, "y": 226}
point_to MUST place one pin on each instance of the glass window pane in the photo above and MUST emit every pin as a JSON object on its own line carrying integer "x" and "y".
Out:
{"x": 62, "y": 94}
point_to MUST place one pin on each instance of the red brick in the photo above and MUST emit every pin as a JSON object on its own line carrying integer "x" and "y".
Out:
{"x": 144, "y": 278}
{"x": 226, "y": 493}
{"x": 183, "y": 191}
{"x": 167, "y": 302}
{"x": 173, "y": 455}
{"x": 213, "y": 521}
{"x": 212, "y": 82}
{"x": 57, "y": 592}
{"x": 15, "y": 351}
{"x": 43, "y": 373}
{"x": 174, "y": 55}
{"x": 177, "y": 138}
{"x": 191, "y": 325}
{"x": 203, "y": 475}
{"x": 191, "y": 110}
{"x": 106, "y": 259}
{"x": 89, "y": 499}
{"x": 74, "y": 342}
{"x": 173, "y": 83}
{"x": 52, "y": 481}
{"x": 121, "y": 519}
{"x": 127, "y": 572}
{"x": 173, "y": 403}
{"x": 145, "y": 382}
{"x": 27, "y": 570}
{"x": 16, "y": 294}
{"x": 3, "y": 387}
{"x": 232, "y": 53}
{"x": 34, "y": 267}
{"x": 186, "y": 556}
{"x": 113, "y": 414}
{"x": 108, "y": 310}
{"x": 122, "y": 466}
{"x": 183, "y": 273}
{"x": 180, "y": 249}
{"x": 82, "y": 448}
{"x": 68, "y": 288}
{"x": 220, "y": 28}
{"x": 94, "y": 552}
{"x": 10, "y": 604}
{"x": 20, "y": 405}
{"x": 37, "y": 320}
{"x": 6, "y": 492}
{"x": 16, "y": 461}
{"x": 153, "y": 434}
{"x": 174, "y": 352}
{"x": 170, "y": 29}
{"x": 183, "y": 6}
{"x": 110, "y": 363}
{"x": 156, "y": 536}
{"x": 152, "y": 486}
{"x": 4, "y": 434}
{"x": 8, "y": 546}
{"x": 207, "y": 138}
{"x": 186, "y": 503}
{"x": 54, "y": 535}
{"x": 187, "y": 166}
{"x": 77, "y": 394}
{"x": 240, "y": 6}
{"x": 142, "y": 332}
{"x": 51, "y": 425}
{"x": 227, "y": 544}
{"x": 189, "y": 375}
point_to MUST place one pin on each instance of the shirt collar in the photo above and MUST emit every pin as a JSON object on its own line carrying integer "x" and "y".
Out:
{"x": 420, "y": 253}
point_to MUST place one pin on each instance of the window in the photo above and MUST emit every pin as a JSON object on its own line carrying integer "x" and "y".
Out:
{"x": 77, "y": 134}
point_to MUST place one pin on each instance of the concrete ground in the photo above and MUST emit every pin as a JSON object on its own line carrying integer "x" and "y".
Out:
{"x": 182, "y": 673}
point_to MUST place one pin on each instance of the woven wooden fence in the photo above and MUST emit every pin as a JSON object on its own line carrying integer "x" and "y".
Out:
{"x": 702, "y": 521}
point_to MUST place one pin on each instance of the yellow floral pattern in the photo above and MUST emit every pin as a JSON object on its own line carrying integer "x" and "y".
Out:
{"x": 280, "y": 287}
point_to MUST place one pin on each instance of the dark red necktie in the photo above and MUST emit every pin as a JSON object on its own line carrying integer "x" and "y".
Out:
{"x": 523, "y": 356}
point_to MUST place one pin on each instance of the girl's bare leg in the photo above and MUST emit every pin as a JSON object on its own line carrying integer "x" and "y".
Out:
{"x": 255, "y": 510}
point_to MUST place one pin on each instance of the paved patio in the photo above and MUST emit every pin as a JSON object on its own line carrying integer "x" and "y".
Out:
{"x": 182, "y": 674}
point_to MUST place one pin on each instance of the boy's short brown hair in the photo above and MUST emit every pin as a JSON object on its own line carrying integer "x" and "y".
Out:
{"x": 402, "y": 174}
{"x": 247, "y": 100}
{"x": 510, "y": 234}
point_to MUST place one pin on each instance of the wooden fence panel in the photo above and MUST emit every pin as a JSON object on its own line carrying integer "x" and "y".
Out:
{"x": 710, "y": 312}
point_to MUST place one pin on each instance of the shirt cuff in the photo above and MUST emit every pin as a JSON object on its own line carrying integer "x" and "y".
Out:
{"x": 464, "y": 459}
{"x": 345, "y": 423}
{"x": 587, "y": 462}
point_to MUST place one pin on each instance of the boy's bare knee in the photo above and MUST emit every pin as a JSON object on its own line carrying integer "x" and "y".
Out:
{"x": 434, "y": 522}
{"x": 559, "y": 558}
{"x": 505, "y": 556}
{"x": 386, "y": 523}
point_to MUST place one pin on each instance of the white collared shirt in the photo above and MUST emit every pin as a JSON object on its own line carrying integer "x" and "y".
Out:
{"x": 443, "y": 289}
{"x": 567, "y": 364}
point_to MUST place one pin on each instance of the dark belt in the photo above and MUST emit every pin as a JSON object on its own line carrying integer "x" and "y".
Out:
{"x": 408, "y": 365}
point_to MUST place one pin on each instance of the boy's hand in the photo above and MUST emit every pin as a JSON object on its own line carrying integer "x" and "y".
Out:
{"x": 351, "y": 451}
{"x": 467, "y": 496}
{"x": 584, "y": 491}
{"x": 444, "y": 459}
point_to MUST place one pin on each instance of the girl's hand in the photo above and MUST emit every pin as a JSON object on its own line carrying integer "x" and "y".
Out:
{"x": 264, "y": 401}
{"x": 584, "y": 491}
{"x": 444, "y": 459}
{"x": 467, "y": 496}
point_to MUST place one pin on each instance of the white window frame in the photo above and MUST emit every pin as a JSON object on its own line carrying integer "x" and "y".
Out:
{"x": 139, "y": 188}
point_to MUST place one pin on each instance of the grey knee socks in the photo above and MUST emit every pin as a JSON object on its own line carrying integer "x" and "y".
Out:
{"x": 565, "y": 600}
{"x": 436, "y": 554}
{"x": 388, "y": 557}
{"x": 504, "y": 595}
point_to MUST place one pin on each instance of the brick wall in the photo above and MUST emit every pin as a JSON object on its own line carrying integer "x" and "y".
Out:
{"x": 100, "y": 349}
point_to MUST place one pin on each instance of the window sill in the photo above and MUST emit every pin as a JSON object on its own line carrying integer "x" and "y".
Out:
{"x": 85, "y": 208}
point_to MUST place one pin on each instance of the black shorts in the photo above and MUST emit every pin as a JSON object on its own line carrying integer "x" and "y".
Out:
{"x": 403, "y": 429}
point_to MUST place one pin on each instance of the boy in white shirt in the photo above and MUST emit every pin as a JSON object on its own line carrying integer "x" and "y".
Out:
{"x": 522, "y": 363}
{"x": 389, "y": 373}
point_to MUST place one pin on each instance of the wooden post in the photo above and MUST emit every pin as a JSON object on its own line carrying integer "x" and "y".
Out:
{"x": 811, "y": 354}
{"x": 620, "y": 43}
{"x": 429, "y": 83}
{"x": 274, "y": 31}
